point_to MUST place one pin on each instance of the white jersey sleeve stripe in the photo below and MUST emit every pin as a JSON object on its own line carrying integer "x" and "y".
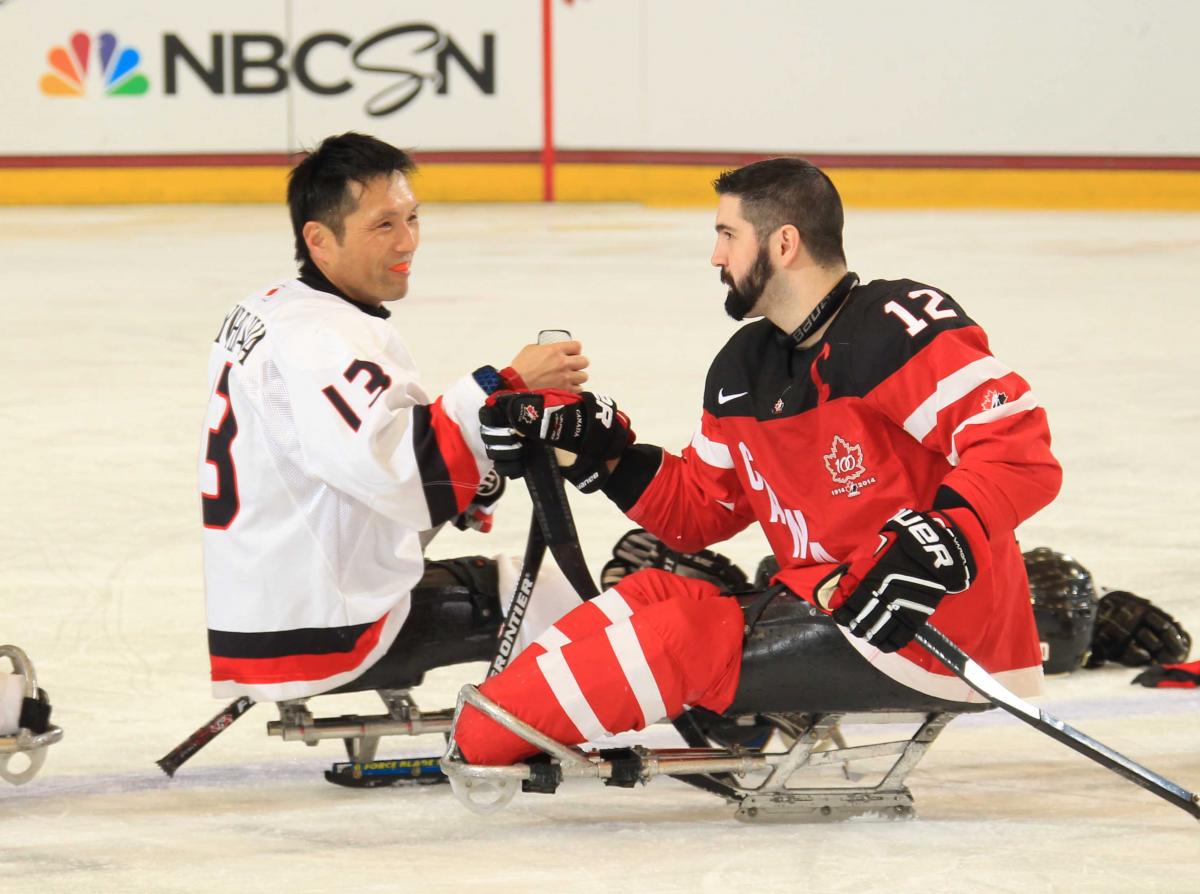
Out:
{"x": 623, "y": 639}
{"x": 1023, "y": 404}
{"x": 569, "y": 696}
{"x": 956, "y": 385}
{"x": 712, "y": 452}
{"x": 462, "y": 401}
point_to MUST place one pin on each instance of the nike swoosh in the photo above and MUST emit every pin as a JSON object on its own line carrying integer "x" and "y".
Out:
{"x": 723, "y": 398}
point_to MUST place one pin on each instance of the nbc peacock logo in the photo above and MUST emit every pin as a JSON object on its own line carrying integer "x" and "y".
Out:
{"x": 116, "y": 68}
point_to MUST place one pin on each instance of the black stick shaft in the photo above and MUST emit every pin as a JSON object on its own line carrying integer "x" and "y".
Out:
{"x": 531, "y": 564}
{"x": 551, "y": 525}
{"x": 553, "y": 515}
{"x": 178, "y": 755}
{"x": 945, "y": 651}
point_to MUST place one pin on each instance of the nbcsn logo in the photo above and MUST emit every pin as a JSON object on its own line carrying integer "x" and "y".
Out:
{"x": 117, "y": 70}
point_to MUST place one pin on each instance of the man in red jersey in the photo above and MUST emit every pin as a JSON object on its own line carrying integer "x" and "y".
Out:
{"x": 887, "y": 455}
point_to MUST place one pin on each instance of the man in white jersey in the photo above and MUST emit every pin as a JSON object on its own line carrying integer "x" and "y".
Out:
{"x": 324, "y": 460}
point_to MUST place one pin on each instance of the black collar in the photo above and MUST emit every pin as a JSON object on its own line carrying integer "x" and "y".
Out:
{"x": 312, "y": 277}
{"x": 823, "y": 312}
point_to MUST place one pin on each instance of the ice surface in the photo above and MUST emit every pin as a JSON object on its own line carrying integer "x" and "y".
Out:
{"x": 107, "y": 318}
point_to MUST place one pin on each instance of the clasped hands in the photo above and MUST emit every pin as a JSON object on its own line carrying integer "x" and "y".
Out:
{"x": 587, "y": 425}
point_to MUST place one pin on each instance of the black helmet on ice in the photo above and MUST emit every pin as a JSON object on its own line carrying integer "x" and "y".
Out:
{"x": 1064, "y": 607}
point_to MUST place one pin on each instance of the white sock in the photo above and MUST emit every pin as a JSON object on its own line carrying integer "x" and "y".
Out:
{"x": 12, "y": 694}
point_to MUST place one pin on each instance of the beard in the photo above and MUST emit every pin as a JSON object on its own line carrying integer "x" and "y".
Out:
{"x": 744, "y": 295}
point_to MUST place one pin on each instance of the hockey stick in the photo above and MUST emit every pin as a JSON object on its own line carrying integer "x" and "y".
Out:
{"x": 176, "y": 757}
{"x": 986, "y": 685}
{"x": 535, "y": 551}
{"x": 531, "y": 564}
{"x": 553, "y": 526}
{"x": 551, "y": 510}
{"x": 552, "y": 513}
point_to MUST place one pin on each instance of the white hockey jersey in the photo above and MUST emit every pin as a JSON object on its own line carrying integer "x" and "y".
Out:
{"x": 322, "y": 460}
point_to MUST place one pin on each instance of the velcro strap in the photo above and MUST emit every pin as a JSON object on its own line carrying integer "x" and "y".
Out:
{"x": 35, "y": 713}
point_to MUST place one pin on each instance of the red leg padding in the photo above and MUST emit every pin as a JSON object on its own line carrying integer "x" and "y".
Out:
{"x": 681, "y": 645}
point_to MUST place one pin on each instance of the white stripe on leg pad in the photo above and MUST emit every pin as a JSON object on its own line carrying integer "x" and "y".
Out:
{"x": 570, "y": 697}
{"x": 636, "y": 668}
{"x": 552, "y": 638}
{"x": 613, "y": 605}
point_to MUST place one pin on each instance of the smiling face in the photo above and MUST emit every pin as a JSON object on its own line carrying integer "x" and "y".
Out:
{"x": 743, "y": 260}
{"x": 371, "y": 258}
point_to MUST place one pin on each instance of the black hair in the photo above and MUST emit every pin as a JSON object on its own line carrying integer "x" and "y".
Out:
{"x": 778, "y": 191}
{"x": 319, "y": 186}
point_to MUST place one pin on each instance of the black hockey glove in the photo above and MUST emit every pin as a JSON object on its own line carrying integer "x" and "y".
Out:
{"x": 887, "y": 593}
{"x": 478, "y": 514}
{"x": 640, "y": 549}
{"x": 504, "y": 446}
{"x": 768, "y": 567}
{"x": 1133, "y": 631}
{"x": 587, "y": 425}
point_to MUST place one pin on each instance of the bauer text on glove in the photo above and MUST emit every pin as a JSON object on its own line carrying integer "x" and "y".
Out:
{"x": 890, "y": 588}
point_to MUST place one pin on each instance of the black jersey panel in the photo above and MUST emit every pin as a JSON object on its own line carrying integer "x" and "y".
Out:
{"x": 881, "y": 327}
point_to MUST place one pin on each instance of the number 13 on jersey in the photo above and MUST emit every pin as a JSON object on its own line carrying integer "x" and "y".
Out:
{"x": 221, "y": 507}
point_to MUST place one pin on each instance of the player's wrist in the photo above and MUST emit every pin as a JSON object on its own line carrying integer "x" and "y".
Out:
{"x": 635, "y": 469}
{"x": 513, "y": 380}
{"x": 964, "y": 526}
{"x": 491, "y": 380}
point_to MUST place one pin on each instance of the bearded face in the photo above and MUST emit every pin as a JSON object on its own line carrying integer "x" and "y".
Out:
{"x": 744, "y": 295}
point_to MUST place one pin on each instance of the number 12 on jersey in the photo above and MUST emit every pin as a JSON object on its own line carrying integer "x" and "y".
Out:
{"x": 933, "y": 309}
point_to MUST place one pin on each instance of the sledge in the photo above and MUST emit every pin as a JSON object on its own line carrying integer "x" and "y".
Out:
{"x": 801, "y": 685}
{"x": 779, "y": 754}
{"x": 25, "y": 741}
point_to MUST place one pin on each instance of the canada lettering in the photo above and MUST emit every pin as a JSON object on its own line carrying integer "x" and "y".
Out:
{"x": 793, "y": 519}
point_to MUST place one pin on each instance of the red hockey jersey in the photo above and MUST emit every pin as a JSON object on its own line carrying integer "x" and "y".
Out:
{"x": 899, "y": 404}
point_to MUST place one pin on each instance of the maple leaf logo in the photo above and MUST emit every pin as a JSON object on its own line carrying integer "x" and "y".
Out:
{"x": 994, "y": 399}
{"x": 844, "y": 462}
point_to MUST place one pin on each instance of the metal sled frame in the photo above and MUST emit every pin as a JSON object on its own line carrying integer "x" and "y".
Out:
{"x": 32, "y": 745}
{"x": 773, "y": 796}
{"x": 360, "y": 734}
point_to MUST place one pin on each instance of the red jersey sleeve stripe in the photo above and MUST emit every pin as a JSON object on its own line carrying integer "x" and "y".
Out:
{"x": 290, "y": 668}
{"x": 457, "y": 455}
{"x": 449, "y": 475}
